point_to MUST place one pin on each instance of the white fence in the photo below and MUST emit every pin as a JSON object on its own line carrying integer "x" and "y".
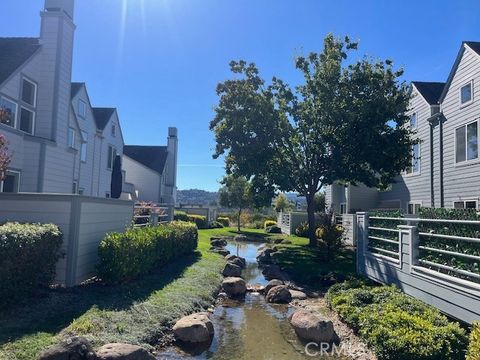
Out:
{"x": 152, "y": 215}
{"x": 288, "y": 222}
{"x": 400, "y": 251}
{"x": 349, "y": 224}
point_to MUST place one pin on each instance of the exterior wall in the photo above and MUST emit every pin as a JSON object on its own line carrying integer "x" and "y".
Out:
{"x": 84, "y": 221}
{"x": 288, "y": 222}
{"x": 335, "y": 195}
{"x": 361, "y": 198}
{"x": 147, "y": 182}
{"x": 461, "y": 181}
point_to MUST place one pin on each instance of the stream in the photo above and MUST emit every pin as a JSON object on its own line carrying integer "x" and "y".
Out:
{"x": 250, "y": 329}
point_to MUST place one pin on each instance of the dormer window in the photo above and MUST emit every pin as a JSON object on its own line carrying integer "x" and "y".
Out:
{"x": 82, "y": 109}
{"x": 413, "y": 121}
{"x": 466, "y": 93}
{"x": 114, "y": 130}
{"x": 29, "y": 92}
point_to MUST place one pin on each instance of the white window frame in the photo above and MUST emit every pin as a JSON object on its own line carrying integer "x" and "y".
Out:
{"x": 464, "y": 202}
{"x": 113, "y": 130}
{"x": 34, "y": 93}
{"x": 110, "y": 156}
{"x": 413, "y": 203}
{"x": 16, "y": 112}
{"x": 84, "y": 147}
{"x": 84, "y": 115}
{"x": 470, "y": 82}
{"x": 33, "y": 120}
{"x": 71, "y": 130}
{"x": 419, "y": 171}
{"x": 18, "y": 181}
{"x": 416, "y": 120}
{"x": 466, "y": 161}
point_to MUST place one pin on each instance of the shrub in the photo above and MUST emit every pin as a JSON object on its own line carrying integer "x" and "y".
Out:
{"x": 199, "y": 220}
{"x": 124, "y": 256}
{"x": 474, "y": 346}
{"x": 224, "y": 220}
{"x": 28, "y": 257}
{"x": 396, "y": 325}
{"x": 216, "y": 225}
{"x": 302, "y": 230}
{"x": 273, "y": 230}
{"x": 180, "y": 216}
{"x": 269, "y": 223}
{"x": 331, "y": 235}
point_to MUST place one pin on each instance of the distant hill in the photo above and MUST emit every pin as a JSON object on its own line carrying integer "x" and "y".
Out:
{"x": 197, "y": 197}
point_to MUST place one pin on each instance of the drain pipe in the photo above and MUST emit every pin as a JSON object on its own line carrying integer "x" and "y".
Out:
{"x": 440, "y": 119}
{"x": 432, "y": 185}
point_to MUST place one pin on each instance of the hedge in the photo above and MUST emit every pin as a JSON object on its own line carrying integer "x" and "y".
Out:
{"x": 269, "y": 223}
{"x": 474, "y": 346}
{"x": 395, "y": 325}
{"x": 28, "y": 257}
{"x": 124, "y": 256}
{"x": 199, "y": 220}
{"x": 224, "y": 220}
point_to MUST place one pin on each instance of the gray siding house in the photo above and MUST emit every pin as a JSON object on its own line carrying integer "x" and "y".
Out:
{"x": 446, "y": 164}
{"x": 59, "y": 142}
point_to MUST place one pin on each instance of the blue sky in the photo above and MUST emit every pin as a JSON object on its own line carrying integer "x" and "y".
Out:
{"x": 158, "y": 61}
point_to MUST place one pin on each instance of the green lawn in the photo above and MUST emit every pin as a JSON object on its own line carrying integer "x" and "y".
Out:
{"x": 138, "y": 312}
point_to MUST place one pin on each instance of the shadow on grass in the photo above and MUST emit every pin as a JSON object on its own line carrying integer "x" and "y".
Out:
{"x": 56, "y": 309}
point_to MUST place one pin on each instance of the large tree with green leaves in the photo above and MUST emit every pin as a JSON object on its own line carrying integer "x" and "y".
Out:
{"x": 236, "y": 193}
{"x": 346, "y": 122}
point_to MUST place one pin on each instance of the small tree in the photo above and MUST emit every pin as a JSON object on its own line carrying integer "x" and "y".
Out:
{"x": 5, "y": 156}
{"x": 320, "y": 203}
{"x": 236, "y": 193}
{"x": 117, "y": 178}
{"x": 281, "y": 203}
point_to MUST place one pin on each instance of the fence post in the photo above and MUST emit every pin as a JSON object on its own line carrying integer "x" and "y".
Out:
{"x": 413, "y": 247}
{"x": 408, "y": 237}
{"x": 362, "y": 240}
{"x": 153, "y": 219}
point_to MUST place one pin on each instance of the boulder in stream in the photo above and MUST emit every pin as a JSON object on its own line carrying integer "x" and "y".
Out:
{"x": 298, "y": 295}
{"x": 237, "y": 261}
{"x": 117, "y": 351}
{"x": 273, "y": 272}
{"x": 234, "y": 286}
{"x": 232, "y": 270}
{"x": 279, "y": 295}
{"x": 70, "y": 348}
{"x": 195, "y": 328}
{"x": 218, "y": 242}
{"x": 272, "y": 283}
{"x": 311, "y": 327}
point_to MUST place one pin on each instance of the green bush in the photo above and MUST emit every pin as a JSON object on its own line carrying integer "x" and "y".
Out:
{"x": 273, "y": 230}
{"x": 474, "y": 346}
{"x": 124, "y": 256}
{"x": 216, "y": 225}
{"x": 28, "y": 257}
{"x": 302, "y": 230}
{"x": 224, "y": 220}
{"x": 395, "y": 325}
{"x": 199, "y": 220}
{"x": 269, "y": 223}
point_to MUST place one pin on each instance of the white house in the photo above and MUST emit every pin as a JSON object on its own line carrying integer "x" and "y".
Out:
{"x": 59, "y": 142}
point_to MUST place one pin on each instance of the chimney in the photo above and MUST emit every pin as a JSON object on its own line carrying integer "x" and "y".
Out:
{"x": 171, "y": 176}
{"x": 56, "y": 38}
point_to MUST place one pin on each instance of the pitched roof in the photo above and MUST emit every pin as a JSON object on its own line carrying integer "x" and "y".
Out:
{"x": 474, "y": 45}
{"x": 430, "y": 91}
{"x": 102, "y": 116}
{"x": 153, "y": 157}
{"x": 76, "y": 86}
{"x": 14, "y": 52}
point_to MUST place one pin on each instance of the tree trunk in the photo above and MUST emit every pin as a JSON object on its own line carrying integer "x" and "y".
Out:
{"x": 311, "y": 220}
{"x": 238, "y": 220}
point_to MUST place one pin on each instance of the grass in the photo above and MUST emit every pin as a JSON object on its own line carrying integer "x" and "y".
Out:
{"x": 138, "y": 312}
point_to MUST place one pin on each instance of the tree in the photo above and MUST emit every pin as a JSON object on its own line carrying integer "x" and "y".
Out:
{"x": 117, "y": 178}
{"x": 344, "y": 122}
{"x": 236, "y": 193}
{"x": 320, "y": 203}
{"x": 5, "y": 156}
{"x": 281, "y": 203}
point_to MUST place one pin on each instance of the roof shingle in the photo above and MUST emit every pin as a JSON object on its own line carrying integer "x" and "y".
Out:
{"x": 153, "y": 157}
{"x": 431, "y": 91}
{"x": 14, "y": 52}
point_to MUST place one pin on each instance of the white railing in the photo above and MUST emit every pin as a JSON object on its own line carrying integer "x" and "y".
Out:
{"x": 151, "y": 215}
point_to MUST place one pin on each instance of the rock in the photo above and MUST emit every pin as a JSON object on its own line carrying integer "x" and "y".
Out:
{"x": 279, "y": 294}
{"x": 264, "y": 257}
{"x": 218, "y": 242}
{"x": 298, "y": 295}
{"x": 77, "y": 348}
{"x": 310, "y": 327}
{"x": 232, "y": 270}
{"x": 271, "y": 284}
{"x": 195, "y": 328}
{"x": 240, "y": 238}
{"x": 116, "y": 351}
{"x": 278, "y": 241}
{"x": 286, "y": 242}
{"x": 221, "y": 251}
{"x": 238, "y": 261}
{"x": 273, "y": 272}
{"x": 234, "y": 286}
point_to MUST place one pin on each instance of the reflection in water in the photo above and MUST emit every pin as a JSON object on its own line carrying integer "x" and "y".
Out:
{"x": 250, "y": 329}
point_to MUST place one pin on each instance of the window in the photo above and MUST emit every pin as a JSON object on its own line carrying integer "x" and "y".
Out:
{"x": 8, "y": 112}
{"x": 107, "y": 195}
{"x": 413, "y": 121}
{"x": 466, "y": 93}
{"x": 27, "y": 119}
{"x": 11, "y": 183}
{"x": 114, "y": 130}
{"x": 82, "y": 109}
{"x": 466, "y": 142}
{"x": 414, "y": 207}
{"x": 75, "y": 187}
{"x": 466, "y": 204}
{"x": 83, "y": 147}
{"x": 415, "y": 167}
{"x": 71, "y": 138}
{"x": 343, "y": 208}
{"x": 112, "y": 153}
{"x": 81, "y": 191}
{"x": 29, "y": 92}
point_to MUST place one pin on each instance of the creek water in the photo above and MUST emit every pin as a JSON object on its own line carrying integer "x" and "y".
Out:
{"x": 250, "y": 329}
